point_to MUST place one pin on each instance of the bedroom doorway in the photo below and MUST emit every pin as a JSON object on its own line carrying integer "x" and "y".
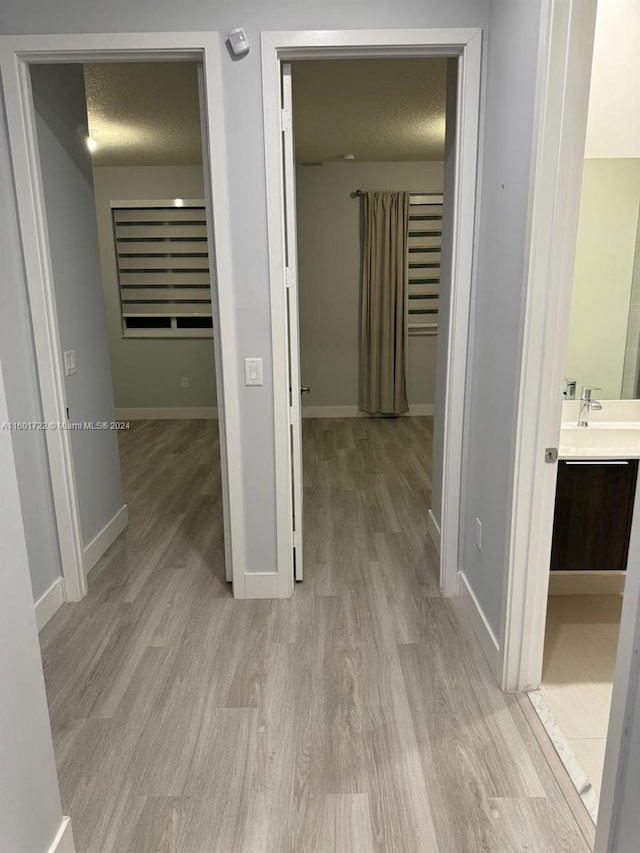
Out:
{"x": 19, "y": 55}
{"x": 277, "y": 49}
{"x": 369, "y": 150}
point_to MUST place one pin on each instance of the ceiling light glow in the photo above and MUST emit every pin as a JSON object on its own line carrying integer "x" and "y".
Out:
{"x": 178, "y": 202}
{"x": 91, "y": 143}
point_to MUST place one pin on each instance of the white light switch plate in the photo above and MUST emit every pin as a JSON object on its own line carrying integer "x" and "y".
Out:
{"x": 478, "y": 534}
{"x": 69, "y": 362}
{"x": 253, "y": 371}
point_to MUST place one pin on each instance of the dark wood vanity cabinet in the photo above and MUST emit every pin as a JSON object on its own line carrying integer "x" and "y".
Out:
{"x": 592, "y": 521}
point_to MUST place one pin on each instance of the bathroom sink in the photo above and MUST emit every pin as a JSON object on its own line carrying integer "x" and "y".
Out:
{"x": 605, "y": 425}
{"x": 600, "y": 440}
{"x": 613, "y": 432}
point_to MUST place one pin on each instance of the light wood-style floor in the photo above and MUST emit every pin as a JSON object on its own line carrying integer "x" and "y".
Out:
{"x": 581, "y": 641}
{"x": 358, "y": 716}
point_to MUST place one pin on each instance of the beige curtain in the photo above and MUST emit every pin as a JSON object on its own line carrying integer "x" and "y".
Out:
{"x": 383, "y": 352}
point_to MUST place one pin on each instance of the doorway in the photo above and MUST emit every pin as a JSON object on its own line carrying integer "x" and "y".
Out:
{"x": 19, "y": 55}
{"x": 120, "y": 152}
{"x": 277, "y": 49}
{"x": 598, "y": 466}
{"x": 368, "y": 132}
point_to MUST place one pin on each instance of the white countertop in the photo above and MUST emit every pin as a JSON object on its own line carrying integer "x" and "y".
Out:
{"x": 613, "y": 432}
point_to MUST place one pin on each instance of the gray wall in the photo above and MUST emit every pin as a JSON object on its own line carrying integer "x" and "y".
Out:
{"x": 329, "y": 270}
{"x": 501, "y": 261}
{"x": 23, "y": 394}
{"x": 242, "y": 84}
{"x": 147, "y": 372}
{"x": 30, "y": 811}
{"x": 59, "y": 100}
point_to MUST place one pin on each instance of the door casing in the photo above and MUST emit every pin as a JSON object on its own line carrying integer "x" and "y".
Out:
{"x": 563, "y": 98}
{"x": 17, "y": 53}
{"x": 466, "y": 44}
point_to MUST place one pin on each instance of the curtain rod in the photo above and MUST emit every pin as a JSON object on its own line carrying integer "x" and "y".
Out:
{"x": 357, "y": 193}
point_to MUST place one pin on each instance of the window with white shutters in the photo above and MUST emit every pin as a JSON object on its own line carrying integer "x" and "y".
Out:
{"x": 164, "y": 277}
{"x": 424, "y": 253}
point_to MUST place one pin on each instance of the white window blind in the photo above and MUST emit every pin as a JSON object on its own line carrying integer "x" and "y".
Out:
{"x": 424, "y": 254}
{"x": 163, "y": 269}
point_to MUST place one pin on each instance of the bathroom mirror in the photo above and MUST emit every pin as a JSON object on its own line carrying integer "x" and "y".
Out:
{"x": 604, "y": 328}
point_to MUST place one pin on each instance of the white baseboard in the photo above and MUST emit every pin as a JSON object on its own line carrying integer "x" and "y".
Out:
{"x": 183, "y": 413}
{"x": 261, "y": 585}
{"x": 434, "y": 531}
{"x": 586, "y": 583}
{"x": 480, "y": 625}
{"x": 415, "y": 410}
{"x": 421, "y": 410}
{"x": 63, "y": 842}
{"x": 49, "y": 603}
{"x": 331, "y": 412}
{"x": 107, "y": 536}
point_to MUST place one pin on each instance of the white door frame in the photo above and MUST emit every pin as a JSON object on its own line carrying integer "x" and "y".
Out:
{"x": 16, "y": 54}
{"x": 344, "y": 44}
{"x": 563, "y": 98}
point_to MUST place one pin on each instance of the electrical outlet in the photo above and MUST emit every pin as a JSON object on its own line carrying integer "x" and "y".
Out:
{"x": 478, "y": 534}
{"x": 184, "y": 381}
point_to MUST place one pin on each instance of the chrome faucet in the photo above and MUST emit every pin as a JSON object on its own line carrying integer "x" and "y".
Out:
{"x": 587, "y": 404}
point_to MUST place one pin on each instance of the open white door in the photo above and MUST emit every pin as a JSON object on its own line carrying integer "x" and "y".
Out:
{"x": 217, "y": 336}
{"x": 293, "y": 344}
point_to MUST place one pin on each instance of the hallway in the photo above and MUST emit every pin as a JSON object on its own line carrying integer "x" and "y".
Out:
{"x": 358, "y": 716}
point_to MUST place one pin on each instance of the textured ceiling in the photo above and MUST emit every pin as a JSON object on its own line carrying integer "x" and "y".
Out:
{"x": 147, "y": 113}
{"x": 144, "y": 113}
{"x": 376, "y": 109}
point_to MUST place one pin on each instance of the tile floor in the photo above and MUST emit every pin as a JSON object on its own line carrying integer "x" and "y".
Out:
{"x": 577, "y": 677}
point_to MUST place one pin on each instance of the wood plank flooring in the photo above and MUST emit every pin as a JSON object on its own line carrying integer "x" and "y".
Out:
{"x": 357, "y": 717}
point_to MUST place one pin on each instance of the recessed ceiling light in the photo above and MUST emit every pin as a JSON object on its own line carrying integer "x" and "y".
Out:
{"x": 178, "y": 202}
{"x": 347, "y": 156}
{"x": 91, "y": 143}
